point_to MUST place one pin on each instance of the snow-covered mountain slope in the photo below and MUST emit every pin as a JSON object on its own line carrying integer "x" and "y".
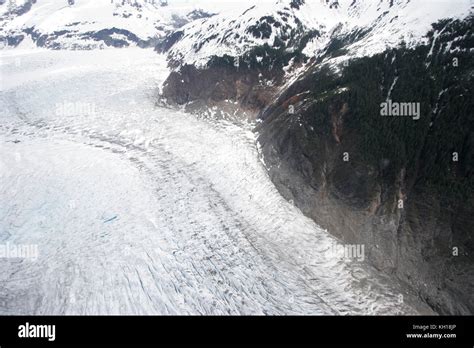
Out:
{"x": 276, "y": 23}
{"x": 363, "y": 27}
{"x": 97, "y": 23}
{"x": 389, "y": 22}
{"x": 87, "y": 23}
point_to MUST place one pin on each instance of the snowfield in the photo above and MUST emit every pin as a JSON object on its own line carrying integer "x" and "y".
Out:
{"x": 137, "y": 209}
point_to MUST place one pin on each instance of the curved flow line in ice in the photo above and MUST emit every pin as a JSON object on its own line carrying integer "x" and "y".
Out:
{"x": 143, "y": 210}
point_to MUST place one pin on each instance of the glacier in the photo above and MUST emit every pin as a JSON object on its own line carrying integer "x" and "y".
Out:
{"x": 140, "y": 209}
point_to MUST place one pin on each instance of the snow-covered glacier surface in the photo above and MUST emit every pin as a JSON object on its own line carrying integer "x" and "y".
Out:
{"x": 136, "y": 209}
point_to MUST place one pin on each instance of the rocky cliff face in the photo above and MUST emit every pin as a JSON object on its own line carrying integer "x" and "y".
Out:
{"x": 231, "y": 84}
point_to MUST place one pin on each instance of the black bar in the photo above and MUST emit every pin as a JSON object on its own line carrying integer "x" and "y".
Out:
{"x": 347, "y": 331}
